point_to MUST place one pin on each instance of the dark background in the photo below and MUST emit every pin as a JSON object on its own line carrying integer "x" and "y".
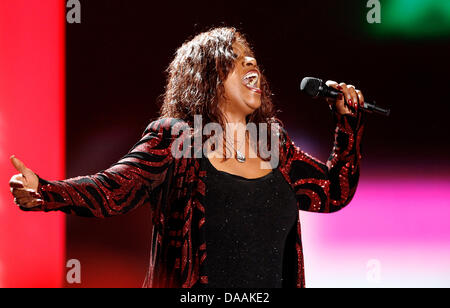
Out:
{"x": 116, "y": 60}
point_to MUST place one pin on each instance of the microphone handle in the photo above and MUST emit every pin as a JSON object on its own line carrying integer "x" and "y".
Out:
{"x": 372, "y": 107}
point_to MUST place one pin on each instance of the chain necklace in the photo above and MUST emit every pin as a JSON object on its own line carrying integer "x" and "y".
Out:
{"x": 240, "y": 157}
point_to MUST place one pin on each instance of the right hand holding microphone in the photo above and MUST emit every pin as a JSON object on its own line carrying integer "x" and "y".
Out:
{"x": 24, "y": 186}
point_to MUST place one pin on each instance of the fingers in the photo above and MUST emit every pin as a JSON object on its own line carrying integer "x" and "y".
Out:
{"x": 28, "y": 202}
{"x": 361, "y": 98}
{"x": 25, "y": 193}
{"x": 348, "y": 95}
{"x": 20, "y": 193}
{"x": 26, "y": 197}
{"x": 17, "y": 181}
{"x": 354, "y": 97}
{"x": 332, "y": 84}
{"x": 18, "y": 164}
{"x": 34, "y": 203}
{"x": 22, "y": 201}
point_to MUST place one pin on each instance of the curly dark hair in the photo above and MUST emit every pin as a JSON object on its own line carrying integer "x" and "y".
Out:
{"x": 196, "y": 76}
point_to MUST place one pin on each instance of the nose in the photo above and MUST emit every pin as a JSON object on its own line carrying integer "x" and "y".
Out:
{"x": 250, "y": 61}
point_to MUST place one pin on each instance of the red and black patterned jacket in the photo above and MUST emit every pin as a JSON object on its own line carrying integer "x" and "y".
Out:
{"x": 175, "y": 189}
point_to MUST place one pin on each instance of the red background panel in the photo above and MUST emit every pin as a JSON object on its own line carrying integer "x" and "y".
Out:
{"x": 32, "y": 103}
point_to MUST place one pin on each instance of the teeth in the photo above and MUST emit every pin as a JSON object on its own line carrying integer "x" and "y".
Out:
{"x": 251, "y": 79}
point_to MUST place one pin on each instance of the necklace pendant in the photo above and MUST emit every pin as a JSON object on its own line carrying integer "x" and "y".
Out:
{"x": 240, "y": 157}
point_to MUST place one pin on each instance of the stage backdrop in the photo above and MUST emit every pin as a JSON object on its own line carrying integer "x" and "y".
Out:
{"x": 32, "y": 81}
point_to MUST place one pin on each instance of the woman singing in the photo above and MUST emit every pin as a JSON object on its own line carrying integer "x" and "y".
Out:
{"x": 219, "y": 220}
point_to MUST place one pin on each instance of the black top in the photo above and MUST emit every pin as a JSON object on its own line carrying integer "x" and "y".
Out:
{"x": 247, "y": 223}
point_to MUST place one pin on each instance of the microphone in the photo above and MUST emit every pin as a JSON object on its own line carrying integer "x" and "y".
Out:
{"x": 315, "y": 87}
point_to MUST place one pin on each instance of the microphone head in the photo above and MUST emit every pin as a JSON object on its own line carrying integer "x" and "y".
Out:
{"x": 311, "y": 86}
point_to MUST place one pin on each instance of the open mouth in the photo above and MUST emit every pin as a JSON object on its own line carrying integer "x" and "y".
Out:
{"x": 250, "y": 80}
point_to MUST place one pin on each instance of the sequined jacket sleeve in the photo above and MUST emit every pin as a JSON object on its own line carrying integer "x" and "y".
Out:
{"x": 124, "y": 186}
{"x": 326, "y": 187}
